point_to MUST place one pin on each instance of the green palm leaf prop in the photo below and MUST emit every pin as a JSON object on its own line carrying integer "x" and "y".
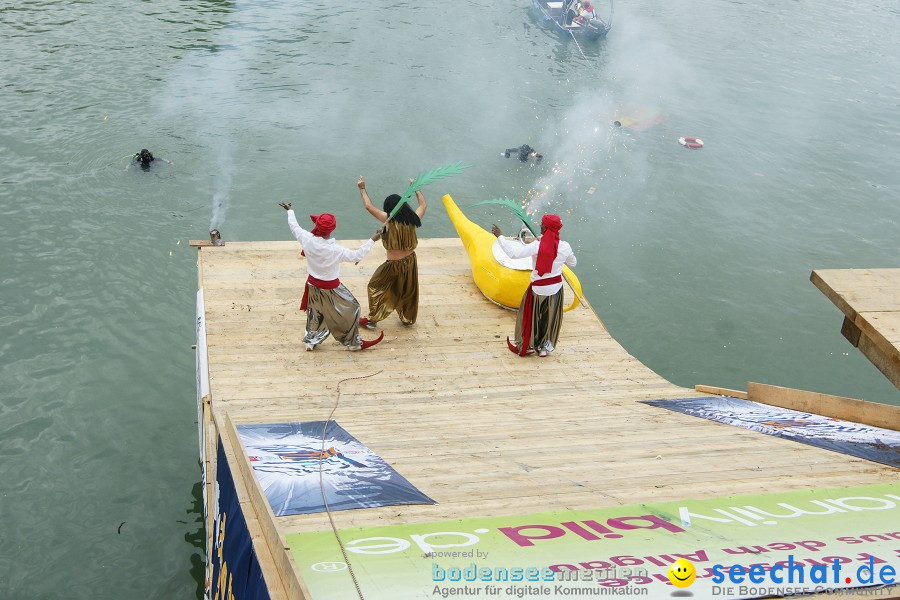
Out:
{"x": 515, "y": 207}
{"x": 424, "y": 179}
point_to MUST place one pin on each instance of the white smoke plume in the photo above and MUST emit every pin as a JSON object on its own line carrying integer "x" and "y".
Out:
{"x": 602, "y": 142}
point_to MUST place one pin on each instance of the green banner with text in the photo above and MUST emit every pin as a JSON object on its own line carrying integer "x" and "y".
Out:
{"x": 731, "y": 547}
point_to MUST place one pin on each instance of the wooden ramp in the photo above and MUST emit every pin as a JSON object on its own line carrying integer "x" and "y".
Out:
{"x": 870, "y": 301}
{"x": 477, "y": 428}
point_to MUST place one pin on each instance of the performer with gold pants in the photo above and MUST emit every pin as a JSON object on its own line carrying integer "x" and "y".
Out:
{"x": 395, "y": 283}
{"x": 329, "y": 305}
{"x": 540, "y": 314}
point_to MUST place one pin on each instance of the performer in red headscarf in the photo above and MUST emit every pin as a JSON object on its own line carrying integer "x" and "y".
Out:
{"x": 540, "y": 313}
{"x": 330, "y": 307}
{"x": 587, "y": 10}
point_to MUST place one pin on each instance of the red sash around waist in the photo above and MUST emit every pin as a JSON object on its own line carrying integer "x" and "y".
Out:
{"x": 322, "y": 284}
{"x": 547, "y": 281}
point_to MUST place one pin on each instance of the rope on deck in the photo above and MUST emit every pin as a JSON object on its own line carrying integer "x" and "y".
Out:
{"x": 322, "y": 483}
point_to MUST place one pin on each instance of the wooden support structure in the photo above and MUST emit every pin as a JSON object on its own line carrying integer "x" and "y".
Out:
{"x": 720, "y": 391}
{"x": 470, "y": 424}
{"x": 870, "y": 301}
{"x": 836, "y": 407}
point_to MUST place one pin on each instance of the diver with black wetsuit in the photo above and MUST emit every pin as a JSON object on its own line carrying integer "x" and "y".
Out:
{"x": 525, "y": 153}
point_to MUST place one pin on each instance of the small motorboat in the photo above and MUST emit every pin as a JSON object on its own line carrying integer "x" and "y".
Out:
{"x": 501, "y": 279}
{"x": 580, "y": 18}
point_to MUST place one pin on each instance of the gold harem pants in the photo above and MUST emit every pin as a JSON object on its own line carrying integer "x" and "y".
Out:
{"x": 395, "y": 286}
{"x": 332, "y": 311}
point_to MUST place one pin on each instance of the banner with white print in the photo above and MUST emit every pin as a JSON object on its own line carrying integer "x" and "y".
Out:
{"x": 819, "y": 540}
{"x": 295, "y": 468}
{"x": 863, "y": 441}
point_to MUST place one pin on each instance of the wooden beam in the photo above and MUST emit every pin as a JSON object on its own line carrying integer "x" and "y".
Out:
{"x": 836, "y": 407}
{"x": 720, "y": 391}
{"x": 210, "y": 439}
{"x": 851, "y": 332}
{"x": 886, "y": 361}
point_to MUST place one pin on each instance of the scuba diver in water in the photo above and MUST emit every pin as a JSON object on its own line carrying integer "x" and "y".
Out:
{"x": 525, "y": 153}
{"x": 144, "y": 158}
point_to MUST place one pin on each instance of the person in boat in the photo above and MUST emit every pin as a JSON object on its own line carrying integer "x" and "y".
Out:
{"x": 540, "y": 313}
{"x": 145, "y": 158}
{"x": 395, "y": 284}
{"x": 586, "y": 11}
{"x": 525, "y": 153}
{"x": 329, "y": 305}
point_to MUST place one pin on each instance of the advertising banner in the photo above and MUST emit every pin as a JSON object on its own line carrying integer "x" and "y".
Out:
{"x": 730, "y": 547}
{"x": 233, "y": 566}
{"x": 287, "y": 459}
{"x": 863, "y": 441}
{"x": 202, "y": 375}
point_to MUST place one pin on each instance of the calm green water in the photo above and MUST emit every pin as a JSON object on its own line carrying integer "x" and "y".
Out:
{"x": 697, "y": 261}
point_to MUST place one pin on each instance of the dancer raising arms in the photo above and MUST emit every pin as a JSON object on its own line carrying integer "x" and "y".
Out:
{"x": 395, "y": 283}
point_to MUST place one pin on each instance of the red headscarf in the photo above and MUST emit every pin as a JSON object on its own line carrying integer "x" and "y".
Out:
{"x": 549, "y": 244}
{"x": 324, "y": 224}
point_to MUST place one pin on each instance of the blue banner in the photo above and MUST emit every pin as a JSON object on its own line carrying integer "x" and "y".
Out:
{"x": 235, "y": 571}
{"x": 296, "y": 468}
{"x": 863, "y": 441}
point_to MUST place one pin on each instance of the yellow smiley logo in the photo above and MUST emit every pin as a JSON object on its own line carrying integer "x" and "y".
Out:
{"x": 682, "y": 573}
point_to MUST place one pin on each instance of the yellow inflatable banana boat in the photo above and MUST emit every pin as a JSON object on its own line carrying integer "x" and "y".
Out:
{"x": 501, "y": 284}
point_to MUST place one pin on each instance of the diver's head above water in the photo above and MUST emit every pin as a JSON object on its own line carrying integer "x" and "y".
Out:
{"x": 145, "y": 157}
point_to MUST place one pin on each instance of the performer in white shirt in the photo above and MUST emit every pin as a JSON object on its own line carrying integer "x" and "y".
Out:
{"x": 330, "y": 307}
{"x": 540, "y": 314}
{"x": 586, "y": 10}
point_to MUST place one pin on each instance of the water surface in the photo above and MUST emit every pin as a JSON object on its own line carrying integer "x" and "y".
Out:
{"x": 696, "y": 260}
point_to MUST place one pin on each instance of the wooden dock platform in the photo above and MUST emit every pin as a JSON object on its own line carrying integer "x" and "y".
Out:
{"x": 473, "y": 426}
{"x": 870, "y": 301}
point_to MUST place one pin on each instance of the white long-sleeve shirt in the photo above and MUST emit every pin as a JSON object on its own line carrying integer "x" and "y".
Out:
{"x": 564, "y": 255}
{"x": 324, "y": 255}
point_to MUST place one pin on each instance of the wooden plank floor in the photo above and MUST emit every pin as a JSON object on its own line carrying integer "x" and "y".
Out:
{"x": 870, "y": 301}
{"x": 480, "y": 430}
